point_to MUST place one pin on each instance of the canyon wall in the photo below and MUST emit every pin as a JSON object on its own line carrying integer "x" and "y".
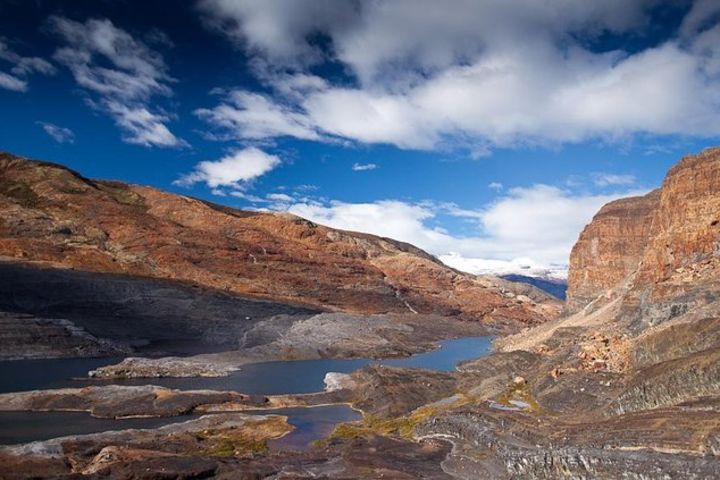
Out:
{"x": 655, "y": 243}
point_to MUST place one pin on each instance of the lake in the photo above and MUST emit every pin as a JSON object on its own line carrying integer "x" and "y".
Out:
{"x": 268, "y": 378}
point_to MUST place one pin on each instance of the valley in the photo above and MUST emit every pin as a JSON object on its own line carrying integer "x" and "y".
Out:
{"x": 277, "y": 348}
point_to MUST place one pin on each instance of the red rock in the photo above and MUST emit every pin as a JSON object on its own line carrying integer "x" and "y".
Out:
{"x": 51, "y": 214}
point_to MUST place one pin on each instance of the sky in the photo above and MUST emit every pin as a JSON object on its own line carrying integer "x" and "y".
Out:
{"x": 486, "y": 132}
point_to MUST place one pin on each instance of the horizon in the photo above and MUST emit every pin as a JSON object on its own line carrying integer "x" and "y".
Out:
{"x": 488, "y": 144}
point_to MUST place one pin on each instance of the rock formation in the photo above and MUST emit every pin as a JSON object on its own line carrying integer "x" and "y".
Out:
{"x": 609, "y": 248}
{"x": 52, "y": 216}
{"x": 633, "y": 366}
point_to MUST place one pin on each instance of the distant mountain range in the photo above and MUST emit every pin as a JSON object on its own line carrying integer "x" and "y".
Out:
{"x": 555, "y": 287}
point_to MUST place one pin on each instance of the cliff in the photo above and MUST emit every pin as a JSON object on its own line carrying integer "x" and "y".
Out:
{"x": 609, "y": 248}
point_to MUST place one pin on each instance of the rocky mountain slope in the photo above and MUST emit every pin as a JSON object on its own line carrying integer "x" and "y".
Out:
{"x": 107, "y": 245}
{"x": 609, "y": 248}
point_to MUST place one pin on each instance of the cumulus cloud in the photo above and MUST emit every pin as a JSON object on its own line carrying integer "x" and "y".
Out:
{"x": 279, "y": 30}
{"x": 123, "y": 72}
{"x": 497, "y": 186}
{"x": 362, "y": 167}
{"x": 533, "y": 227}
{"x": 521, "y": 265}
{"x": 279, "y": 197}
{"x": 234, "y": 171}
{"x": 21, "y": 68}
{"x": 475, "y": 74}
{"x": 59, "y": 134}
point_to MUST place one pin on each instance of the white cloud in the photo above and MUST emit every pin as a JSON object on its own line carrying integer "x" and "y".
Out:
{"x": 59, "y": 134}
{"x": 521, "y": 266}
{"x": 248, "y": 116}
{"x": 279, "y": 30}
{"x": 497, "y": 186}
{"x": 476, "y": 74}
{"x": 11, "y": 82}
{"x": 279, "y": 197}
{"x": 141, "y": 126}
{"x": 234, "y": 170}
{"x": 602, "y": 179}
{"x": 534, "y": 226}
{"x": 697, "y": 18}
{"x": 362, "y": 167}
{"x": 123, "y": 72}
{"x": 22, "y": 67}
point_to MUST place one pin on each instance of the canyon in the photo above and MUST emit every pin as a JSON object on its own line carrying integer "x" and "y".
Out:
{"x": 624, "y": 382}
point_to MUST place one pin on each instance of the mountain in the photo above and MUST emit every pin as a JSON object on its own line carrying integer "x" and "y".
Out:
{"x": 115, "y": 244}
{"x": 555, "y": 287}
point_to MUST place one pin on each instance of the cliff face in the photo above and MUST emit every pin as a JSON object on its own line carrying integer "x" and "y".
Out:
{"x": 54, "y": 216}
{"x": 655, "y": 242}
{"x": 685, "y": 232}
{"x": 609, "y": 248}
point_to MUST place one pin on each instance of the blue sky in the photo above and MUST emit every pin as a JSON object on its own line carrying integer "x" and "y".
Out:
{"x": 487, "y": 133}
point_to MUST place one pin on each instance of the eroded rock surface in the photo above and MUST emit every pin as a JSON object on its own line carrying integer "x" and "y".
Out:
{"x": 24, "y": 336}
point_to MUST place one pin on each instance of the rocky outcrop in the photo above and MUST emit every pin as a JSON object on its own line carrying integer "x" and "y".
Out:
{"x": 25, "y": 336}
{"x": 180, "y": 450}
{"x": 115, "y": 401}
{"x": 80, "y": 313}
{"x": 609, "y": 248}
{"x": 53, "y": 215}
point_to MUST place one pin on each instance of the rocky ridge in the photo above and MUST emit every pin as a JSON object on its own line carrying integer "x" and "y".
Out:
{"x": 53, "y": 216}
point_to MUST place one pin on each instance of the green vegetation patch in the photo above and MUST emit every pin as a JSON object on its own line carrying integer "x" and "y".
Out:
{"x": 519, "y": 392}
{"x": 236, "y": 442}
{"x": 403, "y": 426}
{"x": 122, "y": 194}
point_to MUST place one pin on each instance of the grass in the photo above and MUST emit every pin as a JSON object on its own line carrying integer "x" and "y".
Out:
{"x": 235, "y": 442}
{"x": 122, "y": 194}
{"x": 519, "y": 391}
{"x": 403, "y": 426}
{"x": 235, "y": 446}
